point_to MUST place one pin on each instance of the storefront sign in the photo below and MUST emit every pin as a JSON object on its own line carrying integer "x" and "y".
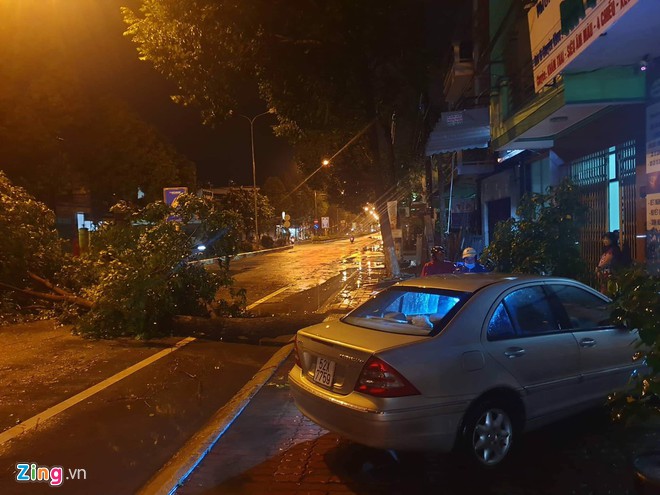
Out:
{"x": 557, "y": 40}
{"x": 653, "y": 170}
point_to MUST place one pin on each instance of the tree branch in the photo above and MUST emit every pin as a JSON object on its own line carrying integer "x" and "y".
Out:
{"x": 48, "y": 284}
{"x": 78, "y": 301}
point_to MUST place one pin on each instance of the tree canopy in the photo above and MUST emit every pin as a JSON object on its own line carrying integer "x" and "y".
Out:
{"x": 544, "y": 238}
{"x": 139, "y": 273}
{"x": 28, "y": 239}
{"x": 59, "y": 132}
{"x": 329, "y": 69}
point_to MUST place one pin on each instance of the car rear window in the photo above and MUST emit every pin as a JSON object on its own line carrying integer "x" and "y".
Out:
{"x": 408, "y": 310}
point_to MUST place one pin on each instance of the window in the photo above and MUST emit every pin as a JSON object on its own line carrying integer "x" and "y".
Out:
{"x": 541, "y": 174}
{"x": 407, "y": 310}
{"x": 584, "y": 310}
{"x": 500, "y": 326}
{"x": 613, "y": 192}
{"x": 531, "y": 312}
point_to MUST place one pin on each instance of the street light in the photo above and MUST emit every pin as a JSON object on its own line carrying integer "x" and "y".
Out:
{"x": 328, "y": 161}
{"x": 324, "y": 163}
{"x": 254, "y": 166}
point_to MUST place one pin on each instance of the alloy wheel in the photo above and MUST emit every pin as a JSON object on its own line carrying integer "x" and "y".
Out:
{"x": 491, "y": 436}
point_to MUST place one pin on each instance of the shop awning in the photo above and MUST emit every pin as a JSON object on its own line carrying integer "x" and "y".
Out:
{"x": 460, "y": 130}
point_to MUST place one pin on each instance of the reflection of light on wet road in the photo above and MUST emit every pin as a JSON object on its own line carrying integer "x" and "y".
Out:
{"x": 306, "y": 269}
{"x": 345, "y": 296}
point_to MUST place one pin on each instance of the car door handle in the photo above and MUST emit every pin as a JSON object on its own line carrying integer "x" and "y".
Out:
{"x": 587, "y": 342}
{"x": 514, "y": 352}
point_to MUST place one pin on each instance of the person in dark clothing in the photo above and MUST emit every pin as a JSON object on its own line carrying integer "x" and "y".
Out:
{"x": 610, "y": 259}
{"x": 470, "y": 263}
{"x": 438, "y": 264}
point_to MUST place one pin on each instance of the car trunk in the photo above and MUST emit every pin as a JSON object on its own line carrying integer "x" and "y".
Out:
{"x": 332, "y": 355}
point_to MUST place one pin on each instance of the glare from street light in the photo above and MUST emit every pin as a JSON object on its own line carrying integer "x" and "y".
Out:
{"x": 325, "y": 163}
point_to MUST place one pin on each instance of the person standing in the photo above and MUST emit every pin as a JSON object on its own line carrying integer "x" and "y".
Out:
{"x": 609, "y": 260}
{"x": 438, "y": 265}
{"x": 470, "y": 263}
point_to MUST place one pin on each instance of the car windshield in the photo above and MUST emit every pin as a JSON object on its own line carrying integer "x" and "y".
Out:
{"x": 408, "y": 310}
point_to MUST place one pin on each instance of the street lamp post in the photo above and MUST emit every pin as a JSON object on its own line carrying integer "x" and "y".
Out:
{"x": 254, "y": 166}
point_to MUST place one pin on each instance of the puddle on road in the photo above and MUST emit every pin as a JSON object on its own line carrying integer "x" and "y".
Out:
{"x": 339, "y": 289}
{"x": 307, "y": 301}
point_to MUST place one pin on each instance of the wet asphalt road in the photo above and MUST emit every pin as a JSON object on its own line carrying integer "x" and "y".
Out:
{"x": 116, "y": 439}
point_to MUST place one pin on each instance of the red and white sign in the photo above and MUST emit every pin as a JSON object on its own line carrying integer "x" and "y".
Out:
{"x": 552, "y": 51}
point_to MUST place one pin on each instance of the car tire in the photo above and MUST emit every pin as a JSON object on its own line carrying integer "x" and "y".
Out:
{"x": 488, "y": 433}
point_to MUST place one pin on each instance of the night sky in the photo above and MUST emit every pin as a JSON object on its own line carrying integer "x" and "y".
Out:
{"x": 223, "y": 154}
{"x": 109, "y": 62}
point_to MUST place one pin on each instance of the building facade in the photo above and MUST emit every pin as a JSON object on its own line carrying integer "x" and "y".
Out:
{"x": 571, "y": 94}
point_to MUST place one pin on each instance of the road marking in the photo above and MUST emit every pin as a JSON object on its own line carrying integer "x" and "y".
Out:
{"x": 175, "y": 472}
{"x": 264, "y": 299}
{"x": 40, "y": 418}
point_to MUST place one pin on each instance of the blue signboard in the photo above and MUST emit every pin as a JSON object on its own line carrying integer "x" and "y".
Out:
{"x": 171, "y": 193}
{"x": 170, "y": 196}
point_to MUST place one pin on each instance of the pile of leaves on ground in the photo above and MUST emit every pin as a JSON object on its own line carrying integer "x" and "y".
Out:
{"x": 137, "y": 275}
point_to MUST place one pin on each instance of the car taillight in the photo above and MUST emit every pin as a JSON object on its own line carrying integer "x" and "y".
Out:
{"x": 381, "y": 380}
{"x": 296, "y": 356}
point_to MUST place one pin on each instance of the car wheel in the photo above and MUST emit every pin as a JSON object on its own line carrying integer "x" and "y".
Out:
{"x": 488, "y": 434}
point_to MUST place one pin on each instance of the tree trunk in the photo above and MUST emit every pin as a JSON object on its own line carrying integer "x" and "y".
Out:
{"x": 385, "y": 157}
{"x": 391, "y": 261}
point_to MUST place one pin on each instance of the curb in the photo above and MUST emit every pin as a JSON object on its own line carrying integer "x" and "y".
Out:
{"x": 211, "y": 261}
{"x": 178, "y": 468}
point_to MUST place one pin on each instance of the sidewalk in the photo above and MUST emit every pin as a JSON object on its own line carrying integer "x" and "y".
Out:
{"x": 273, "y": 450}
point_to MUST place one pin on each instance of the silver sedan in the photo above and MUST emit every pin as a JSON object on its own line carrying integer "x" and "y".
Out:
{"x": 467, "y": 360}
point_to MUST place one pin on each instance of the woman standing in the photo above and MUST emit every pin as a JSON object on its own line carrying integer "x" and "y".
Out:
{"x": 609, "y": 260}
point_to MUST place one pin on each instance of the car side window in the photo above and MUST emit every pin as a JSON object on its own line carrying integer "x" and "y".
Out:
{"x": 531, "y": 311}
{"x": 500, "y": 326}
{"x": 585, "y": 310}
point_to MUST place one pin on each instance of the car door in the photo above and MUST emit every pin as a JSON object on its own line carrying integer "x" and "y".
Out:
{"x": 606, "y": 352}
{"x": 524, "y": 337}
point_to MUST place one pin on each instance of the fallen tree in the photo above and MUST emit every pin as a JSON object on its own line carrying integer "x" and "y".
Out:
{"x": 136, "y": 276}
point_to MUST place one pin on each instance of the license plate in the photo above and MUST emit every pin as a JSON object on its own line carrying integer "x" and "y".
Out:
{"x": 325, "y": 371}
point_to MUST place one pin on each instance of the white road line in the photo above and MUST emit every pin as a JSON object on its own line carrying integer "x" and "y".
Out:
{"x": 264, "y": 299}
{"x": 40, "y": 418}
{"x": 174, "y": 473}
